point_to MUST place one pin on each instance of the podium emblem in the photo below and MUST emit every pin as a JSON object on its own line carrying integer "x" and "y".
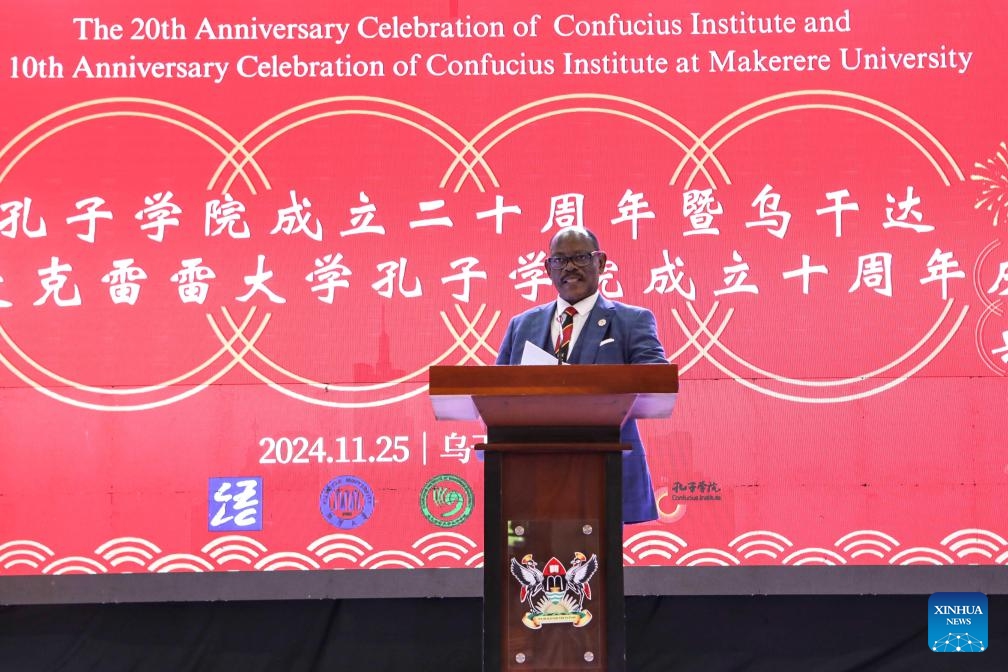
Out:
{"x": 555, "y": 594}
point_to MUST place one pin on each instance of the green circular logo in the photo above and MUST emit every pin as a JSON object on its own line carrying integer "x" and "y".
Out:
{"x": 446, "y": 500}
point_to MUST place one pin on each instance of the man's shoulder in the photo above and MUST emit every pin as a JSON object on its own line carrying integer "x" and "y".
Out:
{"x": 533, "y": 312}
{"x": 625, "y": 308}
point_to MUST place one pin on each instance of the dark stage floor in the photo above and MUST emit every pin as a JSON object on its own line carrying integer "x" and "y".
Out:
{"x": 712, "y": 634}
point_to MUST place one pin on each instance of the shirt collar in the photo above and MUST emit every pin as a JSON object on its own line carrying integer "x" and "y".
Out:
{"x": 583, "y": 307}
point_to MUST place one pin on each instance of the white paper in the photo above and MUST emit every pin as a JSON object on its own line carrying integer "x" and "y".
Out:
{"x": 533, "y": 354}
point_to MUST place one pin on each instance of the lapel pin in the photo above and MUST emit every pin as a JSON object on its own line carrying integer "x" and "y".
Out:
{"x": 601, "y": 323}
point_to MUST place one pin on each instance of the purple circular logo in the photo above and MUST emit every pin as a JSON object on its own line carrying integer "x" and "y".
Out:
{"x": 346, "y": 502}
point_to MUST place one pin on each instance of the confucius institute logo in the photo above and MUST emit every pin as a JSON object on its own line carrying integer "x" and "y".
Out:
{"x": 446, "y": 500}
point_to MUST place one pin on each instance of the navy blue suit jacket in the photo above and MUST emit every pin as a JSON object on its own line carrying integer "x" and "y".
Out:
{"x": 614, "y": 333}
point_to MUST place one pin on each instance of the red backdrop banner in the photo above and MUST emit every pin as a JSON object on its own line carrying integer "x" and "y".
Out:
{"x": 234, "y": 236}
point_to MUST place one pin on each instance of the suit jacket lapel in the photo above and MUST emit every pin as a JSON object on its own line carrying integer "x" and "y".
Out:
{"x": 539, "y": 328}
{"x": 595, "y": 328}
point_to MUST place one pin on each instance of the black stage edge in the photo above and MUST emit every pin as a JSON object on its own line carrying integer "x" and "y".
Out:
{"x": 399, "y": 583}
{"x": 782, "y": 633}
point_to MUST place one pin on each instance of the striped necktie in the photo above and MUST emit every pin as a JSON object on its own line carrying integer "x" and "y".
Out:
{"x": 564, "y": 337}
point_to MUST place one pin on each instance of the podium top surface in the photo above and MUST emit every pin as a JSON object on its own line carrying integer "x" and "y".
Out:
{"x": 582, "y": 394}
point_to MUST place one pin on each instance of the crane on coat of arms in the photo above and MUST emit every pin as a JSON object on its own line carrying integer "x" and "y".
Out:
{"x": 579, "y": 574}
{"x": 531, "y": 579}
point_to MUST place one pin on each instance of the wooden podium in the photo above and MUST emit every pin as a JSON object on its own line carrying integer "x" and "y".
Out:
{"x": 553, "y": 531}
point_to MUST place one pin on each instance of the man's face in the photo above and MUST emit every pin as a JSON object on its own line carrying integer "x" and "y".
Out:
{"x": 575, "y": 282}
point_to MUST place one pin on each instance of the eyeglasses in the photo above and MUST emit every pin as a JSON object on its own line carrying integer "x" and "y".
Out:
{"x": 580, "y": 260}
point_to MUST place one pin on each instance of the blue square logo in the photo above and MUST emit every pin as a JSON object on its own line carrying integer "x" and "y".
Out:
{"x": 235, "y": 504}
{"x": 957, "y": 622}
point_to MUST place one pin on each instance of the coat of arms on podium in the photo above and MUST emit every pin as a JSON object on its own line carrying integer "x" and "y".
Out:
{"x": 555, "y": 594}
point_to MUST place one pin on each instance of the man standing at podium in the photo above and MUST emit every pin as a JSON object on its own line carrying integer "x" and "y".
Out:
{"x": 583, "y": 327}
